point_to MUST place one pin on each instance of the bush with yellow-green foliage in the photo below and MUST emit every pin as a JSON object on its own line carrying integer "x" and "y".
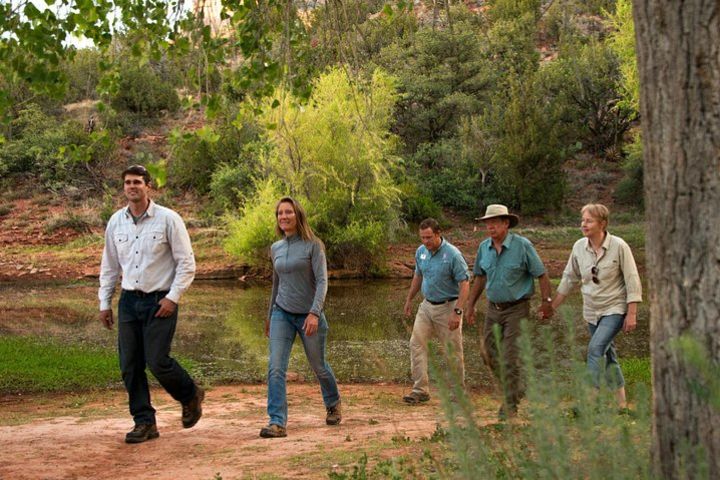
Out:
{"x": 335, "y": 155}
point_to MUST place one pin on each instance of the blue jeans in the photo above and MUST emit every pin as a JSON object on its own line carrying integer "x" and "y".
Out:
{"x": 602, "y": 346}
{"x": 144, "y": 339}
{"x": 283, "y": 327}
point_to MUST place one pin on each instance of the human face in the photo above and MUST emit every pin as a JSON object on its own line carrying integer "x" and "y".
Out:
{"x": 430, "y": 239}
{"x": 287, "y": 221}
{"x": 592, "y": 227}
{"x": 135, "y": 188}
{"x": 497, "y": 228}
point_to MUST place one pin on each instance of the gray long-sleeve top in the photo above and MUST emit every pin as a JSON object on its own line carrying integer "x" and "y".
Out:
{"x": 299, "y": 275}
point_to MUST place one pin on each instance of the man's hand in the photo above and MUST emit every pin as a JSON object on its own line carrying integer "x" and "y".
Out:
{"x": 630, "y": 322}
{"x": 311, "y": 324}
{"x": 407, "y": 309}
{"x": 546, "y": 311}
{"x": 167, "y": 308}
{"x": 106, "y": 318}
{"x": 454, "y": 321}
{"x": 267, "y": 327}
{"x": 470, "y": 316}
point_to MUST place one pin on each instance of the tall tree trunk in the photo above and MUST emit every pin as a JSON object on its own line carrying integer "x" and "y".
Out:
{"x": 678, "y": 47}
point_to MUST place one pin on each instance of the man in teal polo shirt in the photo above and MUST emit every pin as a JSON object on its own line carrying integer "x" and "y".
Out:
{"x": 441, "y": 271}
{"x": 507, "y": 265}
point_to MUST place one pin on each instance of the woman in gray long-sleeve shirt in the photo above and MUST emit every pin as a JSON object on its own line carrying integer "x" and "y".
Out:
{"x": 296, "y": 307}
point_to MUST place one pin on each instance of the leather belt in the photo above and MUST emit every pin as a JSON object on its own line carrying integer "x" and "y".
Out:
{"x": 506, "y": 305}
{"x": 443, "y": 302}
{"x": 141, "y": 294}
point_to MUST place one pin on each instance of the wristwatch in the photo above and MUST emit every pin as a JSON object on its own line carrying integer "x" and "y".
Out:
{"x": 458, "y": 311}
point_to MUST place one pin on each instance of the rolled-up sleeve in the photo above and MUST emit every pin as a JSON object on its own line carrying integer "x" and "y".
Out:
{"x": 319, "y": 267}
{"x": 570, "y": 277}
{"x": 109, "y": 269}
{"x": 630, "y": 274}
{"x": 183, "y": 255}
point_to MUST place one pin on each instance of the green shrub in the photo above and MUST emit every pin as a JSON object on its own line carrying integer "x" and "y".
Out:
{"x": 449, "y": 179}
{"x": 141, "y": 91}
{"x": 70, "y": 221}
{"x": 568, "y": 429}
{"x": 416, "y": 204}
{"x": 530, "y": 153}
{"x": 230, "y": 143}
{"x": 229, "y": 184}
{"x": 250, "y": 234}
{"x": 336, "y": 156}
{"x": 630, "y": 189}
{"x": 585, "y": 86}
{"x": 83, "y": 75}
{"x": 56, "y": 153}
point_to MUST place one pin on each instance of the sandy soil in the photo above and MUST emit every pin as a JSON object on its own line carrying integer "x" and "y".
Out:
{"x": 71, "y": 437}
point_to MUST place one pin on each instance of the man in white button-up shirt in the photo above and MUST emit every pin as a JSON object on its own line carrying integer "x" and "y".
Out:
{"x": 150, "y": 247}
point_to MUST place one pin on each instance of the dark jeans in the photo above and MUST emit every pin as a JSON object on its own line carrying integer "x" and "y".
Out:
{"x": 506, "y": 368}
{"x": 144, "y": 339}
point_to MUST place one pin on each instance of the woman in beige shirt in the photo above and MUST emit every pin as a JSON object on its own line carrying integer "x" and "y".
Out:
{"x": 604, "y": 267}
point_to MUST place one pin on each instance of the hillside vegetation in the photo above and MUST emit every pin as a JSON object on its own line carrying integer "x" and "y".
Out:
{"x": 375, "y": 115}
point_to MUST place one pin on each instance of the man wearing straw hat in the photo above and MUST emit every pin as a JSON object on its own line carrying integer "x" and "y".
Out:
{"x": 506, "y": 266}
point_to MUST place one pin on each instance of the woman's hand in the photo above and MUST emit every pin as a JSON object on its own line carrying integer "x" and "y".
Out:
{"x": 311, "y": 324}
{"x": 630, "y": 322}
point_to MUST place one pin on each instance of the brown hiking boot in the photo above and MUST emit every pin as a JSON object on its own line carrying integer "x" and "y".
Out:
{"x": 273, "y": 431}
{"x": 192, "y": 411}
{"x": 334, "y": 414}
{"x": 413, "y": 398}
{"x": 142, "y": 432}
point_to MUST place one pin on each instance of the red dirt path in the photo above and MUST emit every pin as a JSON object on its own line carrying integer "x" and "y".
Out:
{"x": 41, "y": 439}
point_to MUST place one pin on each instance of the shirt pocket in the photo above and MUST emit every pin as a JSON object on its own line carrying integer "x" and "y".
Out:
{"x": 122, "y": 244}
{"x": 609, "y": 271}
{"x": 156, "y": 241}
{"x": 514, "y": 272}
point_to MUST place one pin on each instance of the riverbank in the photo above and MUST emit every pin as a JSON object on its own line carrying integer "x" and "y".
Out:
{"x": 81, "y": 435}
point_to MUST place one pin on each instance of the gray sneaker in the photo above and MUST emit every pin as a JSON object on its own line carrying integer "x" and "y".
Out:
{"x": 413, "y": 398}
{"x": 334, "y": 414}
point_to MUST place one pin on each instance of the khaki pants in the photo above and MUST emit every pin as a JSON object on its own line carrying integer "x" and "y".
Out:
{"x": 431, "y": 322}
{"x": 509, "y": 321}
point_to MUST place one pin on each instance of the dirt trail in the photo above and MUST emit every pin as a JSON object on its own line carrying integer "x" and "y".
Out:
{"x": 70, "y": 437}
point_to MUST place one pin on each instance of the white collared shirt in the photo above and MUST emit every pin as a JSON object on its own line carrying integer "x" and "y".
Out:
{"x": 153, "y": 255}
{"x": 618, "y": 281}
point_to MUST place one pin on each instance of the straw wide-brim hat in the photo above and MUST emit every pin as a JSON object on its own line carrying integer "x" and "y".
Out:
{"x": 495, "y": 210}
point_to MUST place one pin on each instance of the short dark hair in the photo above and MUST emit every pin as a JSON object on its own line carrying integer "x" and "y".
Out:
{"x": 430, "y": 223}
{"x": 137, "y": 170}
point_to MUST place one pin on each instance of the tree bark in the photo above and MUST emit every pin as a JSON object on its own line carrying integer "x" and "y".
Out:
{"x": 678, "y": 47}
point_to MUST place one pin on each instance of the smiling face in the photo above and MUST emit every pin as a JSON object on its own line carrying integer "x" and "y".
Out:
{"x": 497, "y": 228}
{"x": 591, "y": 226}
{"x": 430, "y": 239}
{"x": 135, "y": 188}
{"x": 286, "y": 218}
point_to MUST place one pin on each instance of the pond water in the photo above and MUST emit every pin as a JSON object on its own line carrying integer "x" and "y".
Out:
{"x": 221, "y": 329}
